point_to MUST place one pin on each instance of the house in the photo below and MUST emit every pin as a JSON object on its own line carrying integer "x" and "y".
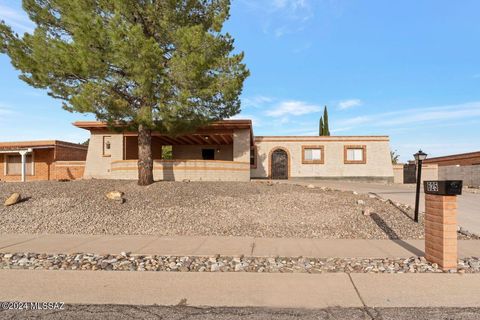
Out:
{"x": 228, "y": 150}
{"x": 463, "y": 166}
{"x": 41, "y": 160}
{"x": 461, "y": 159}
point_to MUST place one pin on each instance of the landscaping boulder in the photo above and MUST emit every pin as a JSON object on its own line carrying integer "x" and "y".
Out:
{"x": 311, "y": 186}
{"x": 13, "y": 199}
{"x": 115, "y": 195}
{"x": 360, "y": 202}
{"x": 367, "y": 212}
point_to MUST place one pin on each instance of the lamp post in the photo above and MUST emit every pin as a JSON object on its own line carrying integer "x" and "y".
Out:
{"x": 419, "y": 157}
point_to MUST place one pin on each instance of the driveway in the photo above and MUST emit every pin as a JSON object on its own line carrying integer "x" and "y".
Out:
{"x": 468, "y": 203}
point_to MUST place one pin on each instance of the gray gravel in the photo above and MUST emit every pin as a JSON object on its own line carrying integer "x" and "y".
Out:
{"x": 201, "y": 208}
{"x": 122, "y": 312}
{"x": 127, "y": 262}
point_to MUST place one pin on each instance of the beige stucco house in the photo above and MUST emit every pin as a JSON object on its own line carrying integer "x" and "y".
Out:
{"x": 228, "y": 150}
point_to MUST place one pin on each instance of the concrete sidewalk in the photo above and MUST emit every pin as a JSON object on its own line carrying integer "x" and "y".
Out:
{"x": 242, "y": 289}
{"x": 228, "y": 246}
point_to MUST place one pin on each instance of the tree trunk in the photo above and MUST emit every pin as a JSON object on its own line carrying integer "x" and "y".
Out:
{"x": 145, "y": 160}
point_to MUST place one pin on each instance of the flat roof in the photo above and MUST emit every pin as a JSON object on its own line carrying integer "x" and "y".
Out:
{"x": 457, "y": 156}
{"x": 223, "y": 124}
{"x": 39, "y": 143}
{"x": 321, "y": 138}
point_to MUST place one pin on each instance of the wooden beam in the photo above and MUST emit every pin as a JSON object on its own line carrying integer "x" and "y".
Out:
{"x": 184, "y": 139}
{"x": 215, "y": 139}
{"x": 204, "y": 139}
{"x": 224, "y": 138}
{"x": 196, "y": 139}
{"x": 171, "y": 141}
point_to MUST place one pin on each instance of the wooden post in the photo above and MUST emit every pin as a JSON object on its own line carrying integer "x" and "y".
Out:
{"x": 441, "y": 230}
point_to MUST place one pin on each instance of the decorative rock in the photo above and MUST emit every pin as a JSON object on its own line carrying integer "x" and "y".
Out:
{"x": 360, "y": 202}
{"x": 115, "y": 195}
{"x": 94, "y": 262}
{"x": 367, "y": 211}
{"x": 372, "y": 196}
{"x": 311, "y": 186}
{"x": 355, "y": 192}
{"x": 13, "y": 199}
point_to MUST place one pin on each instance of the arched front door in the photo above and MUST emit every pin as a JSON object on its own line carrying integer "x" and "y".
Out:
{"x": 279, "y": 163}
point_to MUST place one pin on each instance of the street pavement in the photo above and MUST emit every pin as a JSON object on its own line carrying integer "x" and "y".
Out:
{"x": 114, "y": 312}
{"x": 468, "y": 203}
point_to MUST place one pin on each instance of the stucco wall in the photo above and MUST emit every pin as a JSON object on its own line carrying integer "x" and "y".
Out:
{"x": 189, "y": 152}
{"x": 470, "y": 174}
{"x": 241, "y": 145}
{"x": 429, "y": 172}
{"x": 398, "y": 173}
{"x": 378, "y": 162}
{"x": 98, "y": 165}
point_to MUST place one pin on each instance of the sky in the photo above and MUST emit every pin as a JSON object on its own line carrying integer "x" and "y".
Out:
{"x": 407, "y": 69}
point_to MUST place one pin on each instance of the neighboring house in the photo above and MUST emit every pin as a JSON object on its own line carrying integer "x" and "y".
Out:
{"x": 463, "y": 166}
{"x": 41, "y": 160}
{"x": 227, "y": 150}
{"x": 461, "y": 159}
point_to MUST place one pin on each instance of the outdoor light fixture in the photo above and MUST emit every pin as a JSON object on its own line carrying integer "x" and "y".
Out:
{"x": 419, "y": 157}
{"x": 107, "y": 145}
{"x": 206, "y": 137}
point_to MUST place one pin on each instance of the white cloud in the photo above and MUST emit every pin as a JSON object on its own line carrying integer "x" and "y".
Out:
{"x": 347, "y": 104}
{"x": 281, "y": 17}
{"x": 256, "y": 101}
{"x": 294, "y": 108}
{"x": 415, "y": 116}
{"x": 256, "y": 122}
{"x": 16, "y": 18}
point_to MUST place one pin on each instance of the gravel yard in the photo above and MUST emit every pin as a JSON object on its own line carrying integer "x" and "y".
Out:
{"x": 201, "y": 208}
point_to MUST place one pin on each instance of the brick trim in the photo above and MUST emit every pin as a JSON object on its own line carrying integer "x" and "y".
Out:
{"x": 364, "y": 154}
{"x": 322, "y": 154}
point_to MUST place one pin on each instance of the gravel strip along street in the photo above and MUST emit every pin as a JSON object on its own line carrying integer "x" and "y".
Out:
{"x": 256, "y": 209}
{"x": 127, "y": 262}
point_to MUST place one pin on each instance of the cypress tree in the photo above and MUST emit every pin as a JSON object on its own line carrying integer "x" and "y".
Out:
{"x": 326, "y": 130}
{"x": 320, "y": 127}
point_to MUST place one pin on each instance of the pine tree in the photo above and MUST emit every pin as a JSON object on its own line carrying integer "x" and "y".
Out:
{"x": 145, "y": 65}
{"x": 326, "y": 130}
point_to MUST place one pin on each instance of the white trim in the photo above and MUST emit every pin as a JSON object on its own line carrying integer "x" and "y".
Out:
{"x": 13, "y": 153}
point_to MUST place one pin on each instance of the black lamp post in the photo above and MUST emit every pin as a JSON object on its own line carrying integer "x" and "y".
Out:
{"x": 419, "y": 157}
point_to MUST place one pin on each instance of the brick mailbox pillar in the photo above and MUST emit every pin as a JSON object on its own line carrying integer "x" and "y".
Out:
{"x": 441, "y": 222}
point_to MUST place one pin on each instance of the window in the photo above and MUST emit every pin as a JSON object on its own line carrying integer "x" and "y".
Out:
{"x": 355, "y": 154}
{"x": 312, "y": 154}
{"x": 14, "y": 165}
{"x": 107, "y": 145}
{"x": 208, "y": 154}
{"x": 253, "y": 157}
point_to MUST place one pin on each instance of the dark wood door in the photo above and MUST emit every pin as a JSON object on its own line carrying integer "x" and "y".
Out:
{"x": 279, "y": 164}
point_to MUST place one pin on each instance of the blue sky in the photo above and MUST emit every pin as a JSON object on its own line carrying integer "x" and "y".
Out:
{"x": 407, "y": 69}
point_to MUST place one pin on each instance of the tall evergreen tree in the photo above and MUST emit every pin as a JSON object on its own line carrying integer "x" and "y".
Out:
{"x": 140, "y": 64}
{"x": 320, "y": 127}
{"x": 326, "y": 130}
